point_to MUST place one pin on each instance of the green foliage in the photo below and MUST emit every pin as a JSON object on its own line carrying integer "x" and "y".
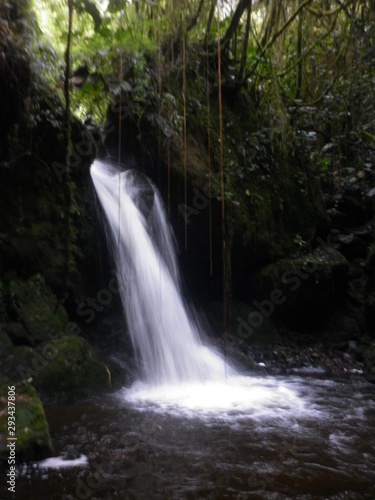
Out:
{"x": 301, "y": 55}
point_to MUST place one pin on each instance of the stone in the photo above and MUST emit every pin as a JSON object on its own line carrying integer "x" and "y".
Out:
{"x": 68, "y": 369}
{"x": 302, "y": 291}
{"x": 351, "y": 246}
{"x": 37, "y": 312}
{"x": 33, "y": 438}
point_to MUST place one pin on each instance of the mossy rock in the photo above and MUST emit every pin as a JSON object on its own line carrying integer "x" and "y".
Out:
{"x": 33, "y": 438}
{"x": 302, "y": 290}
{"x": 69, "y": 369}
{"x": 35, "y": 307}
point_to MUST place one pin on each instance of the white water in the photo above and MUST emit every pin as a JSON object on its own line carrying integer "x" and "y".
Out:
{"x": 165, "y": 340}
{"x": 180, "y": 374}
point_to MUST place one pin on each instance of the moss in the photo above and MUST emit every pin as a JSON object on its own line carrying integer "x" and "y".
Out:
{"x": 305, "y": 288}
{"x": 34, "y": 305}
{"x": 33, "y": 438}
{"x": 70, "y": 369}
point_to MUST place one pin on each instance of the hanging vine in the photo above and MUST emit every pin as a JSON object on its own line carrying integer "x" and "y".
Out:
{"x": 185, "y": 139}
{"x": 68, "y": 149}
{"x": 120, "y": 77}
{"x": 221, "y": 167}
{"x": 209, "y": 157}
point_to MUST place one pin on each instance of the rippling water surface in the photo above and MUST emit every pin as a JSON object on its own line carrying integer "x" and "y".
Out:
{"x": 248, "y": 437}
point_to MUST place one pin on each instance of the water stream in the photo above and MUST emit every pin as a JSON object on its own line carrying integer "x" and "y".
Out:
{"x": 192, "y": 427}
{"x": 269, "y": 448}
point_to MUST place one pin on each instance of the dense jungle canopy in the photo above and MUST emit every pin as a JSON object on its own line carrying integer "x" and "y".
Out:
{"x": 288, "y": 53}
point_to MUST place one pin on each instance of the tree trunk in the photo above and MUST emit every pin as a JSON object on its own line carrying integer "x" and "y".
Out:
{"x": 242, "y": 5}
{"x": 245, "y": 41}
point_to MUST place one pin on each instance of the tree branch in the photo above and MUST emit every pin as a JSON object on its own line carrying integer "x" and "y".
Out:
{"x": 194, "y": 19}
{"x": 276, "y": 35}
{"x": 236, "y": 18}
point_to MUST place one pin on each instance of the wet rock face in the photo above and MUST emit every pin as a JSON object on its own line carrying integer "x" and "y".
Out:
{"x": 34, "y": 228}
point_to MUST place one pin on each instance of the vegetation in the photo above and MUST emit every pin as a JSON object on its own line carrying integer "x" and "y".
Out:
{"x": 308, "y": 64}
{"x": 264, "y": 106}
{"x": 291, "y": 49}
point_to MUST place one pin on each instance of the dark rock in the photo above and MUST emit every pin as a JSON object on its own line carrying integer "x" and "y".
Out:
{"x": 351, "y": 246}
{"x": 338, "y": 219}
{"x": 33, "y": 438}
{"x": 302, "y": 291}
{"x": 69, "y": 368}
{"x": 353, "y": 208}
{"x": 36, "y": 311}
{"x": 18, "y": 334}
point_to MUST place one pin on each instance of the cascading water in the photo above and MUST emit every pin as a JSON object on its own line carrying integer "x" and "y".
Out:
{"x": 179, "y": 372}
{"x": 165, "y": 340}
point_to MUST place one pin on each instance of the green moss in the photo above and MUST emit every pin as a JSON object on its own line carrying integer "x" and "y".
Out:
{"x": 309, "y": 285}
{"x": 34, "y": 305}
{"x": 69, "y": 369}
{"x": 33, "y": 438}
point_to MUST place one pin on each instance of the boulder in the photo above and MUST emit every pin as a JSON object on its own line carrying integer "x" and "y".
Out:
{"x": 68, "y": 369}
{"x": 301, "y": 290}
{"x": 36, "y": 311}
{"x": 31, "y": 428}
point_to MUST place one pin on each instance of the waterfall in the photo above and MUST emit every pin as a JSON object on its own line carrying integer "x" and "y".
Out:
{"x": 164, "y": 336}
